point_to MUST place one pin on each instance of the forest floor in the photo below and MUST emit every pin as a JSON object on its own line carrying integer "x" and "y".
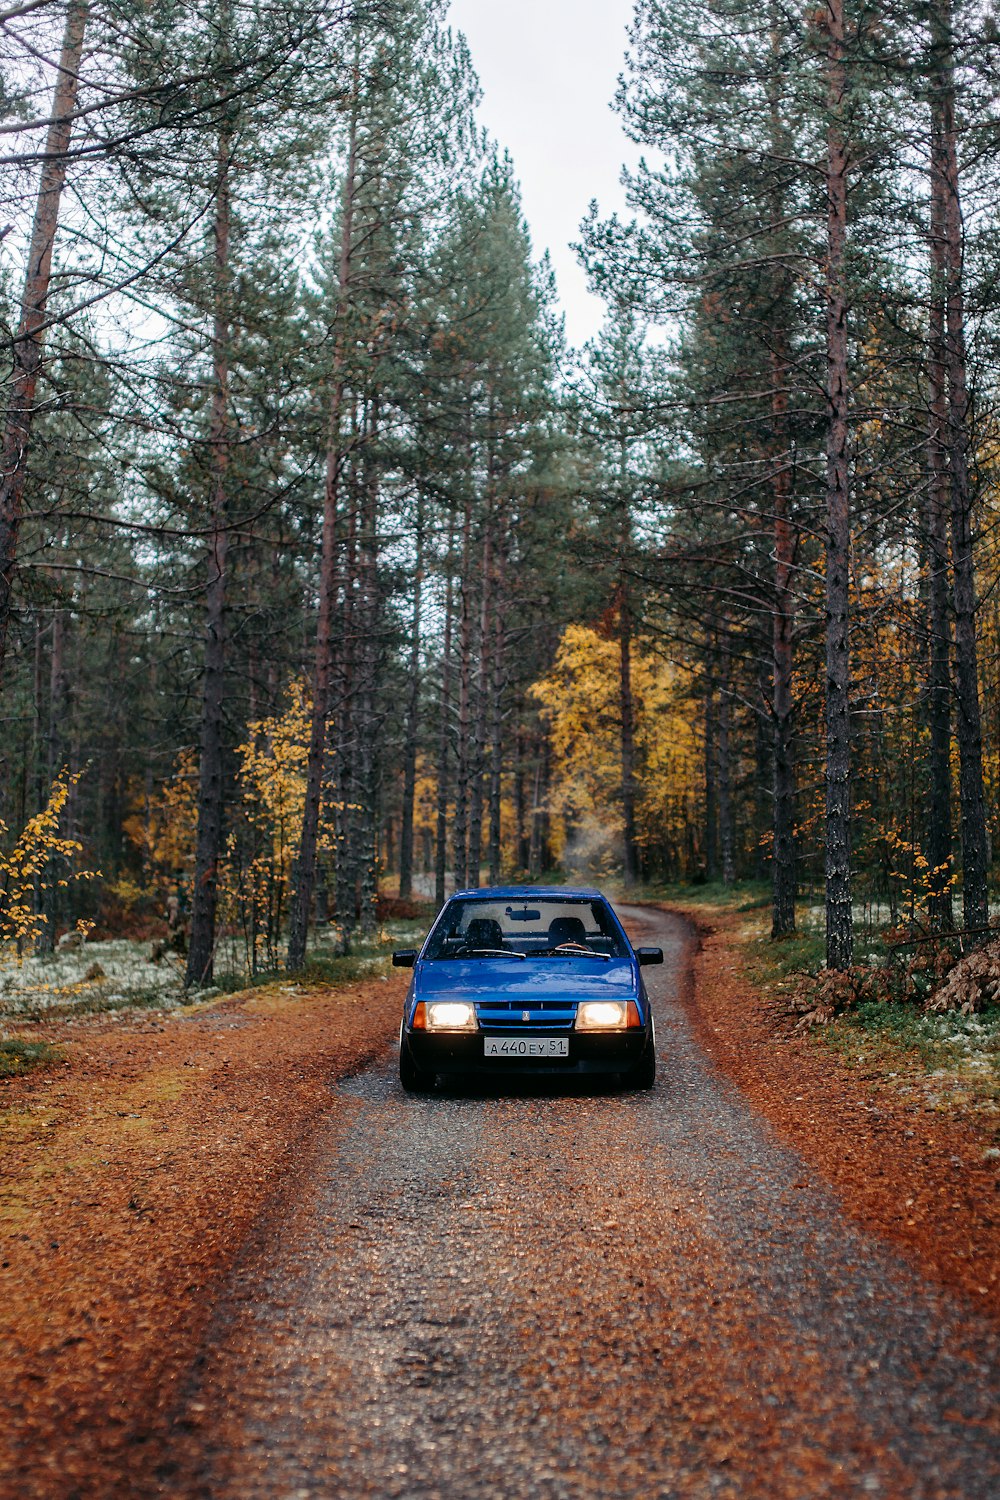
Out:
{"x": 142, "y": 1169}
{"x": 911, "y": 1147}
{"x": 135, "y": 1169}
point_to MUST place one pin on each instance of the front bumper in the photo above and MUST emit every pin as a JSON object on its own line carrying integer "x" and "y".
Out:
{"x": 460, "y": 1054}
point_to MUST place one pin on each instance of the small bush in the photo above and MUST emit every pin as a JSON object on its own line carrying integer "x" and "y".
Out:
{"x": 18, "y": 1057}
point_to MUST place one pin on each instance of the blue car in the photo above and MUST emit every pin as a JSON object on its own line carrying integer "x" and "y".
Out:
{"x": 526, "y": 980}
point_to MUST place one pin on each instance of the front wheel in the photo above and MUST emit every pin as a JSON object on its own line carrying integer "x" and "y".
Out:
{"x": 643, "y": 1075}
{"x": 413, "y": 1079}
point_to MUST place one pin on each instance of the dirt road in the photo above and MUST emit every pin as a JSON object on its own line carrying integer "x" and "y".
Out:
{"x": 584, "y": 1294}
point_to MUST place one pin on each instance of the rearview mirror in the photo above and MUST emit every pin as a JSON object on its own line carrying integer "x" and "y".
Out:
{"x": 405, "y": 958}
{"x": 649, "y": 956}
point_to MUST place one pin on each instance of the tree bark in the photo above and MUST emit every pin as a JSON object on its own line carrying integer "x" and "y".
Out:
{"x": 48, "y": 879}
{"x": 975, "y": 859}
{"x": 304, "y": 874}
{"x": 211, "y": 779}
{"x": 627, "y": 710}
{"x": 522, "y": 837}
{"x": 497, "y": 675}
{"x": 29, "y": 341}
{"x": 412, "y": 719}
{"x": 369, "y": 652}
{"x": 727, "y": 837}
{"x": 711, "y": 785}
{"x": 939, "y": 685}
{"x": 783, "y": 871}
{"x": 444, "y": 736}
{"x": 477, "y": 757}
{"x": 460, "y": 830}
{"x": 839, "y": 925}
{"x": 348, "y": 677}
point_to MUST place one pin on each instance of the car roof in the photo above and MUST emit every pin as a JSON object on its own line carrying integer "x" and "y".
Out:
{"x": 529, "y": 892}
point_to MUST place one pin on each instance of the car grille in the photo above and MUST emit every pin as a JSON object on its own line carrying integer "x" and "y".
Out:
{"x": 510, "y": 1015}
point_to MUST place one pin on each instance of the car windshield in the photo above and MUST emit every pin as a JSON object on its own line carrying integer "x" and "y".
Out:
{"x": 533, "y": 927}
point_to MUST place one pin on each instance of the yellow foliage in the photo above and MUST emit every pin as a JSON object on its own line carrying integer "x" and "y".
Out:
{"x": 167, "y": 829}
{"x": 272, "y": 772}
{"x": 255, "y": 879}
{"x": 24, "y": 868}
{"x": 580, "y": 702}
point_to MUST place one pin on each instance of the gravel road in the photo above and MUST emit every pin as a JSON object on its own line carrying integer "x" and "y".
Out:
{"x": 581, "y": 1294}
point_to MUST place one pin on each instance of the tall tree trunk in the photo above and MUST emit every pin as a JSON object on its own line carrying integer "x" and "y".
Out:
{"x": 28, "y": 343}
{"x": 496, "y": 731}
{"x": 411, "y": 728}
{"x": 369, "y": 653}
{"x": 211, "y": 780}
{"x": 522, "y": 837}
{"x": 763, "y": 866}
{"x": 711, "y": 784}
{"x": 54, "y": 753}
{"x": 477, "y": 757}
{"x": 726, "y": 830}
{"x": 839, "y": 926}
{"x": 346, "y": 750}
{"x": 975, "y": 910}
{"x": 626, "y": 706}
{"x": 444, "y": 730}
{"x": 304, "y": 874}
{"x": 460, "y": 831}
{"x": 939, "y": 686}
{"x": 783, "y": 872}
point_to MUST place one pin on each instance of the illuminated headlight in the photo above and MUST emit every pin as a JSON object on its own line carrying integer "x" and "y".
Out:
{"x": 607, "y": 1015}
{"x": 451, "y": 1015}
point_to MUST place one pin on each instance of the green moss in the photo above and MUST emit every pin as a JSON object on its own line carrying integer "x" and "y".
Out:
{"x": 18, "y": 1056}
{"x": 743, "y": 895}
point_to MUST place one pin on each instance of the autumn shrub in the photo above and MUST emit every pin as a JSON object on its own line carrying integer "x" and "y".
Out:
{"x": 18, "y": 1056}
{"x": 40, "y": 858}
{"x": 903, "y": 977}
{"x": 972, "y": 985}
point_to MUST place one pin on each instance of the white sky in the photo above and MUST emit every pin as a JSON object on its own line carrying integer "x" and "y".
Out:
{"x": 549, "y": 69}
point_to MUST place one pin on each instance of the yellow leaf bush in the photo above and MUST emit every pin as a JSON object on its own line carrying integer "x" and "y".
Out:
{"x": 38, "y": 860}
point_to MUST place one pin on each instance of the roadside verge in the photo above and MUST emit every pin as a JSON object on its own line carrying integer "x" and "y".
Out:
{"x": 916, "y": 1175}
{"x": 132, "y": 1176}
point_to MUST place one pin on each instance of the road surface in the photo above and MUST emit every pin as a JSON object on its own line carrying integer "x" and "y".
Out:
{"x": 585, "y": 1293}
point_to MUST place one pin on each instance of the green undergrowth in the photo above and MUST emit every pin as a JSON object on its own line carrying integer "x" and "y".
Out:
{"x": 875, "y": 1019}
{"x": 59, "y": 987}
{"x": 18, "y": 1057}
{"x": 744, "y": 895}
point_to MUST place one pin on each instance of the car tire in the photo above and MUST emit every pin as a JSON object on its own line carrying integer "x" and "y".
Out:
{"x": 643, "y": 1075}
{"x": 413, "y": 1079}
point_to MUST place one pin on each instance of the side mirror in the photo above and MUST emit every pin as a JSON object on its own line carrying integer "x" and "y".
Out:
{"x": 405, "y": 958}
{"x": 649, "y": 956}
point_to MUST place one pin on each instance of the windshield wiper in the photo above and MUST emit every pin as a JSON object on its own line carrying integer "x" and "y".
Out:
{"x": 572, "y": 953}
{"x": 488, "y": 953}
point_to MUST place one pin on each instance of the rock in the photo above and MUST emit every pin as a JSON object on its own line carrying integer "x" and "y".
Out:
{"x": 94, "y": 972}
{"x": 70, "y": 940}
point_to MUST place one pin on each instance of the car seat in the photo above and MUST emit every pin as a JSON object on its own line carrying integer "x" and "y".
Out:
{"x": 483, "y": 932}
{"x": 567, "y": 930}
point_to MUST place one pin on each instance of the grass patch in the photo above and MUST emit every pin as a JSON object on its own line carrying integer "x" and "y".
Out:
{"x": 948, "y": 1062}
{"x": 369, "y": 959}
{"x": 783, "y": 961}
{"x": 347, "y": 969}
{"x": 18, "y": 1057}
{"x": 743, "y": 895}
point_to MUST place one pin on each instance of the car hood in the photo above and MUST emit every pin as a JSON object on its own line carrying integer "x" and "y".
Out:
{"x": 533, "y": 980}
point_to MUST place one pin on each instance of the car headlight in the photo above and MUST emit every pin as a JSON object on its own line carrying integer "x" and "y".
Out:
{"x": 451, "y": 1015}
{"x": 607, "y": 1015}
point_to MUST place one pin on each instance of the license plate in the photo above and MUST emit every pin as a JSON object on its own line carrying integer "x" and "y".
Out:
{"x": 526, "y": 1046}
